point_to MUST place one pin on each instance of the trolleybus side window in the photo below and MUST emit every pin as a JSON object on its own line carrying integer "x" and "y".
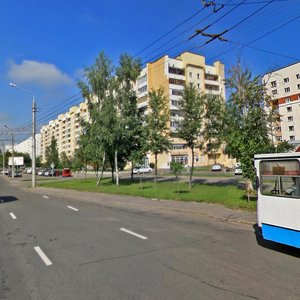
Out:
{"x": 280, "y": 178}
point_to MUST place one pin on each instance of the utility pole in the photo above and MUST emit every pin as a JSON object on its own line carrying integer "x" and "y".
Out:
{"x": 33, "y": 142}
{"x": 33, "y": 167}
{"x": 12, "y": 152}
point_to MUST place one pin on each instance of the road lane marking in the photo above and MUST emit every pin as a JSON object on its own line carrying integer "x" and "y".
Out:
{"x": 43, "y": 256}
{"x": 13, "y": 216}
{"x": 71, "y": 207}
{"x": 46, "y": 197}
{"x": 133, "y": 233}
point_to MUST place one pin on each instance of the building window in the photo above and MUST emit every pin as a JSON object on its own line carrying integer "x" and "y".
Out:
{"x": 290, "y": 119}
{"x": 175, "y": 102}
{"x": 273, "y": 84}
{"x": 289, "y": 109}
{"x": 274, "y": 92}
{"x": 287, "y": 99}
{"x": 298, "y": 85}
{"x": 183, "y": 159}
{"x": 142, "y": 89}
{"x": 291, "y": 128}
{"x": 198, "y": 86}
{"x": 211, "y": 77}
{"x": 142, "y": 79}
{"x": 211, "y": 87}
{"x": 176, "y": 81}
{"x": 178, "y": 146}
{"x": 298, "y": 76}
{"x": 174, "y": 124}
{"x": 292, "y": 138}
{"x": 198, "y": 76}
{"x": 286, "y": 79}
{"x": 191, "y": 75}
{"x": 177, "y": 92}
{"x": 287, "y": 89}
{"x": 176, "y": 71}
{"x": 278, "y": 128}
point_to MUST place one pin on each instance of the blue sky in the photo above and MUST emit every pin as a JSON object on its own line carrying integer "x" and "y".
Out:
{"x": 45, "y": 45}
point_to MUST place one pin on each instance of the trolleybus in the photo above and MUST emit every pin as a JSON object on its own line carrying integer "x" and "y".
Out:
{"x": 278, "y": 201}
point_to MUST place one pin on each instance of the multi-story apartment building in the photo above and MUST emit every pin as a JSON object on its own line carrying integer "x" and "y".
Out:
{"x": 66, "y": 129}
{"x": 26, "y": 146}
{"x": 172, "y": 74}
{"x": 283, "y": 86}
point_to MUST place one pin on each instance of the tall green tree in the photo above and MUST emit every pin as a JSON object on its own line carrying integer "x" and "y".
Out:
{"x": 131, "y": 131}
{"x": 247, "y": 129}
{"x": 97, "y": 89}
{"x": 128, "y": 123}
{"x": 157, "y": 125}
{"x": 191, "y": 126}
{"x": 214, "y": 121}
{"x": 52, "y": 153}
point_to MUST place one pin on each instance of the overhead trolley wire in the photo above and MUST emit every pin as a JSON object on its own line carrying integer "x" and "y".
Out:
{"x": 262, "y": 36}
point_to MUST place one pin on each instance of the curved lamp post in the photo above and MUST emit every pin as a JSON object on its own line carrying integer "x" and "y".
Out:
{"x": 33, "y": 131}
{"x": 12, "y": 152}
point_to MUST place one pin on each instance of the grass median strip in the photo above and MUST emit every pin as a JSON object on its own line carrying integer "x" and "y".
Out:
{"x": 226, "y": 194}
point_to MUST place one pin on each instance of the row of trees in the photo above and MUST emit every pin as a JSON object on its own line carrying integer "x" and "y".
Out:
{"x": 118, "y": 132}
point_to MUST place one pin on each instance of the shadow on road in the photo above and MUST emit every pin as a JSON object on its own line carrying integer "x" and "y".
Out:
{"x": 6, "y": 199}
{"x": 284, "y": 249}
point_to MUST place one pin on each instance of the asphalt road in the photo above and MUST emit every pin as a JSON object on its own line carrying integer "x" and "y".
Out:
{"x": 58, "y": 246}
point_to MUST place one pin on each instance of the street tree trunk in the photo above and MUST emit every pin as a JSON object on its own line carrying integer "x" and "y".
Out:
{"x": 117, "y": 169}
{"x": 192, "y": 169}
{"x": 155, "y": 175}
{"x": 102, "y": 170}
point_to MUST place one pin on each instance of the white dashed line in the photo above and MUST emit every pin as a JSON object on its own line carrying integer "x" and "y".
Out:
{"x": 13, "y": 216}
{"x": 46, "y": 197}
{"x": 43, "y": 256}
{"x": 133, "y": 233}
{"x": 71, "y": 207}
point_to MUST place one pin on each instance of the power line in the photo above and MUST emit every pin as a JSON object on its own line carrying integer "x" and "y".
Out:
{"x": 170, "y": 31}
{"x": 255, "y": 40}
{"x": 236, "y": 25}
{"x": 54, "y": 110}
{"x": 186, "y": 40}
{"x": 253, "y": 2}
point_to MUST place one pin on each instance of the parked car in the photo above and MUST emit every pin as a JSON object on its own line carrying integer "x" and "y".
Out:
{"x": 54, "y": 173}
{"x": 66, "y": 172}
{"x": 40, "y": 172}
{"x": 238, "y": 171}
{"x": 29, "y": 170}
{"x": 46, "y": 172}
{"x": 16, "y": 173}
{"x": 216, "y": 168}
{"x": 139, "y": 170}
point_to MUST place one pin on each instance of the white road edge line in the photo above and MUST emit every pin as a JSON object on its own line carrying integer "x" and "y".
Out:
{"x": 43, "y": 256}
{"x": 71, "y": 207}
{"x": 133, "y": 233}
{"x": 13, "y": 216}
{"x": 46, "y": 197}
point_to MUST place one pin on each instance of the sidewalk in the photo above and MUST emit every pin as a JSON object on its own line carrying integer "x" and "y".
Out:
{"x": 184, "y": 210}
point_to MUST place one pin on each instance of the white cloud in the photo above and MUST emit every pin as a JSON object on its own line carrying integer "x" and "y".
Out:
{"x": 44, "y": 74}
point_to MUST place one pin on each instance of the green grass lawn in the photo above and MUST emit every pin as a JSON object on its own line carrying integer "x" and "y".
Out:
{"x": 228, "y": 195}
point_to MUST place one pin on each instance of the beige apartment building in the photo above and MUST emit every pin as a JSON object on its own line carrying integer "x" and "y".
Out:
{"x": 283, "y": 86}
{"x": 169, "y": 73}
{"x": 66, "y": 129}
{"x": 172, "y": 74}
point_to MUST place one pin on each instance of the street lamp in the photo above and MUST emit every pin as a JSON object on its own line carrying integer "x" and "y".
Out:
{"x": 33, "y": 132}
{"x": 12, "y": 152}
